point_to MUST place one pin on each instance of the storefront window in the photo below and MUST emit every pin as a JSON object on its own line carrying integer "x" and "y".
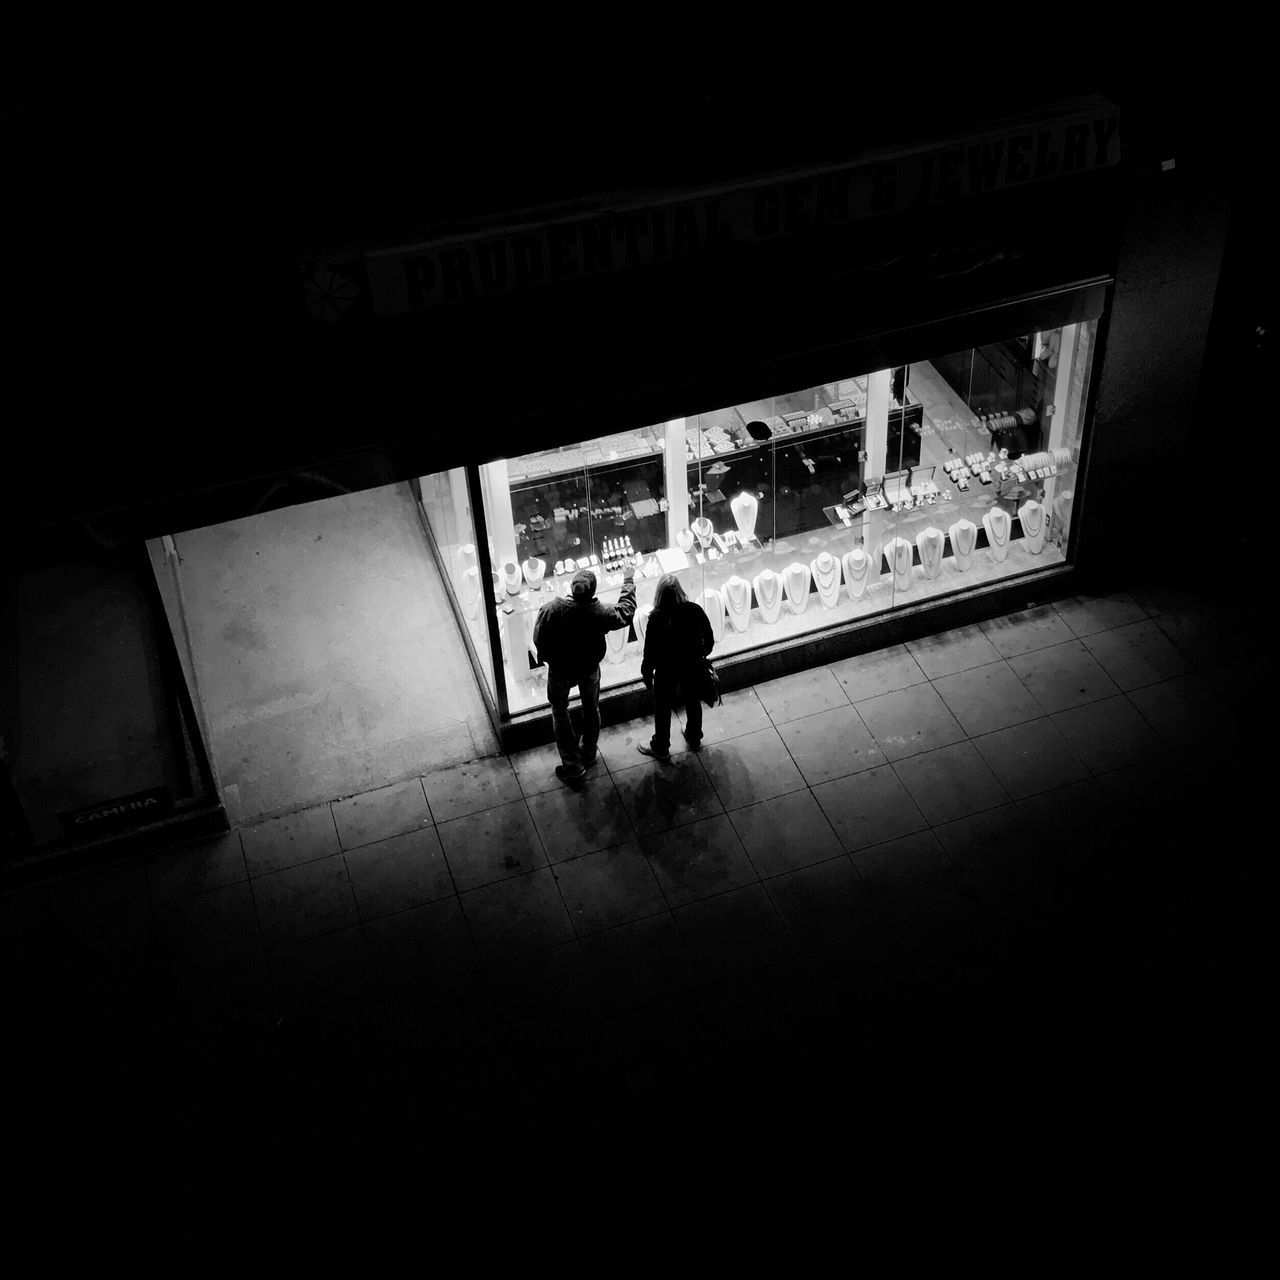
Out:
{"x": 819, "y": 506}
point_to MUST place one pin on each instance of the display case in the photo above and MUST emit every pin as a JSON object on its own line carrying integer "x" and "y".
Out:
{"x": 782, "y": 516}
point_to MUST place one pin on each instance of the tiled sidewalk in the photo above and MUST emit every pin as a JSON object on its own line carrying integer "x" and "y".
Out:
{"x": 957, "y": 872}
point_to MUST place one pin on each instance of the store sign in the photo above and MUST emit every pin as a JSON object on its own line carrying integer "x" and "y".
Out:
{"x": 128, "y": 810}
{"x": 421, "y": 276}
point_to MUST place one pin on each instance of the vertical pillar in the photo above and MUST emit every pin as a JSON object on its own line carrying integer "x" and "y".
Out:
{"x": 876, "y": 436}
{"x": 496, "y": 487}
{"x": 1060, "y": 416}
{"x": 676, "y": 476}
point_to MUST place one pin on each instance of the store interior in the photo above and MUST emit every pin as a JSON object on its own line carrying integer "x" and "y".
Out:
{"x": 786, "y": 516}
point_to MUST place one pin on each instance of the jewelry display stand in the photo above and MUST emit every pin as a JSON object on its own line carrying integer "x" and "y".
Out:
{"x": 713, "y": 607}
{"x": 684, "y": 540}
{"x": 702, "y": 530}
{"x": 615, "y": 645}
{"x": 534, "y": 571}
{"x": 996, "y": 523}
{"x": 930, "y": 542}
{"x": 641, "y": 620}
{"x": 826, "y": 577}
{"x": 737, "y": 602}
{"x": 796, "y": 579}
{"x": 1032, "y": 515}
{"x": 471, "y": 592}
{"x": 899, "y": 553}
{"x": 768, "y": 589}
{"x": 512, "y": 578}
{"x": 744, "y": 508}
{"x": 857, "y": 571}
{"x": 467, "y": 556}
{"x": 964, "y": 537}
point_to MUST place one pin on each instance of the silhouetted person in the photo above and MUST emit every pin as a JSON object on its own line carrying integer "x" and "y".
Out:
{"x": 676, "y": 645}
{"x": 569, "y": 636}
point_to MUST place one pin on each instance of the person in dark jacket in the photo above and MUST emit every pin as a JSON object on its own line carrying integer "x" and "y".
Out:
{"x": 676, "y": 645}
{"x": 569, "y": 636}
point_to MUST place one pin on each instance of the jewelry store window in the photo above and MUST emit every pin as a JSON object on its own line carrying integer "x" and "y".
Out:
{"x": 803, "y": 511}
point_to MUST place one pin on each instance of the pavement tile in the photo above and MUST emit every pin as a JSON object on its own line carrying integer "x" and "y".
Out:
{"x": 785, "y": 833}
{"x": 194, "y": 868}
{"x": 1063, "y": 676}
{"x": 640, "y": 963}
{"x": 950, "y": 782}
{"x": 302, "y": 902}
{"x": 422, "y": 946}
{"x": 1186, "y": 710}
{"x": 883, "y": 671}
{"x": 985, "y": 847}
{"x": 618, "y": 742}
{"x": 823, "y": 903}
{"x": 405, "y": 871}
{"x": 734, "y": 932}
{"x": 1072, "y": 825}
{"x": 870, "y": 807}
{"x": 609, "y": 887}
{"x": 491, "y": 845}
{"x": 697, "y": 860}
{"x": 909, "y": 721}
{"x": 1137, "y": 654}
{"x": 545, "y": 993}
{"x": 470, "y": 787}
{"x": 1030, "y": 629}
{"x": 289, "y": 841}
{"x": 576, "y": 820}
{"x": 984, "y": 699}
{"x": 376, "y": 815}
{"x": 831, "y": 744}
{"x": 740, "y": 712}
{"x": 659, "y": 795}
{"x": 753, "y": 767}
{"x": 535, "y": 768}
{"x": 1088, "y": 614}
{"x": 212, "y": 928}
{"x": 801, "y": 694}
{"x": 1031, "y": 757}
{"x": 517, "y": 916}
{"x": 325, "y": 975}
{"x": 1109, "y": 734}
{"x": 434, "y": 1023}
{"x": 951, "y": 651}
{"x": 908, "y": 876}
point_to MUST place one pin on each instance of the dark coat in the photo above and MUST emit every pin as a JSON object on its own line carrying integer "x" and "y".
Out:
{"x": 676, "y": 642}
{"x": 569, "y": 633}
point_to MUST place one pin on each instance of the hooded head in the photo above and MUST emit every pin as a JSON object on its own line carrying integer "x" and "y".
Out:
{"x": 583, "y": 585}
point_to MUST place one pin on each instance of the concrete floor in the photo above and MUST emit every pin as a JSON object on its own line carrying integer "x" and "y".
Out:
{"x": 326, "y": 654}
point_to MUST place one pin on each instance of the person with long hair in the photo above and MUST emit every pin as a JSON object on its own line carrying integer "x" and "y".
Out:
{"x": 676, "y": 645}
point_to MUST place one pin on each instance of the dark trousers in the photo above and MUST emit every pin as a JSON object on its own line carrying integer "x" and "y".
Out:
{"x": 559, "y": 689}
{"x": 668, "y": 692}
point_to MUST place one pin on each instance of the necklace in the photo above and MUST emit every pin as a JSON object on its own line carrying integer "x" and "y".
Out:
{"x": 901, "y": 561}
{"x": 702, "y": 531}
{"x": 826, "y": 569}
{"x": 997, "y": 522}
{"x": 930, "y": 544}
{"x": 857, "y": 564}
{"x": 769, "y": 594}
{"x": 962, "y": 536}
{"x": 1032, "y": 515}
{"x": 797, "y": 583}
{"x": 735, "y": 593}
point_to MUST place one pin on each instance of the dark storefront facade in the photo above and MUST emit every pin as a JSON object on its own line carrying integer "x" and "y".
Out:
{"x": 847, "y": 404}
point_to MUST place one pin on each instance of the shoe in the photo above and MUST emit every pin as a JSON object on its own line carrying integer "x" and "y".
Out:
{"x": 589, "y": 760}
{"x": 694, "y": 744}
{"x": 656, "y": 755}
{"x": 569, "y": 772}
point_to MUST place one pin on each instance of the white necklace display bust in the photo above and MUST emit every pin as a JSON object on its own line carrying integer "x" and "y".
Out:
{"x": 899, "y": 553}
{"x": 857, "y": 571}
{"x": 702, "y": 530}
{"x": 737, "y": 602}
{"x": 964, "y": 537}
{"x": 796, "y": 581}
{"x": 684, "y": 540}
{"x": 534, "y": 571}
{"x": 744, "y": 508}
{"x": 768, "y": 588}
{"x": 713, "y": 607}
{"x": 826, "y": 577}
{"x": 615, "y": 644}
{"x": 512, "y": 579}
{"x": 996, "y": 523}
{"x": 471, "y": 592}
{"x": 1031, "y": 513}
{"x": 641, "y": 620}
{"x": 929, "y": 542}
